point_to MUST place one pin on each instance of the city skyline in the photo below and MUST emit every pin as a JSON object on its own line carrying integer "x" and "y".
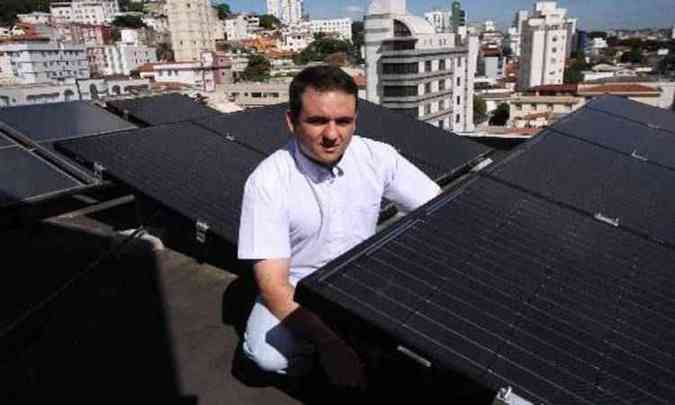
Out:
{"x": 592, "y": 15}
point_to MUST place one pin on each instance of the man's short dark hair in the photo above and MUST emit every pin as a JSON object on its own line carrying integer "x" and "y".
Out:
{"x": 321, "y": 78}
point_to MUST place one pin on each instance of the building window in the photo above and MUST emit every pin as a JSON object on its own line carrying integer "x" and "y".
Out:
{"x": 440, "y": 124}
{"x": 427, "y": 108}
{"x": 400, "y": 91}
{"x": 441, "y": 85}
{"x": 459, "y": 100}
{"x": 427, "y": 66}
{"x": 459, "y": 81}
{"x": 459, "y": 62}
{"x": 441, "y": 105}
{"x": 427, "y": 88}
{"x": 441, "y": 64}
{"x": 400, "y": 68}
{"x": 457, "y": 118}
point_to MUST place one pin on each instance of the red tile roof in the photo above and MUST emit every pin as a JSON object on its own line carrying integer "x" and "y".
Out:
{"x": 619, "y": 88}
{"x": 558, "y": 88}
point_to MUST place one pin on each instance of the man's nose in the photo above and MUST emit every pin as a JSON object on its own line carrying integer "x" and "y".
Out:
{"x": 330, "y": 131}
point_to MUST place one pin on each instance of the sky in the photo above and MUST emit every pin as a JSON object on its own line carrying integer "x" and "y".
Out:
{"x": 592, "y": 14}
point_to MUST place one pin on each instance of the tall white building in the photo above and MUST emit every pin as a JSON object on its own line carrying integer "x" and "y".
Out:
{"x": 273, "y": 8}
{"x": 413, "y": 69}
{"x": 44, "y": 61}
{"x": 194, "y": 28}
{"x": 342, "y": 27}
{"x": 440, "y": 19}
{"x": 290, "y": 11}
{"x": 516, "y": 30}
{"x": 571, "y": 36}
{"x": 93, "y": 12}
{"x": 127, "y": 55}
{"x": 543, "y": 43}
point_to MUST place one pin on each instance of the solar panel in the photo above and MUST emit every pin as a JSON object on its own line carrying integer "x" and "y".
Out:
{"x": 26, "y": 178}
{"x": 550, "y": 272}
{"x": 435, "y": 151}
{"x": 164, "y": 109}
{"x": 511, "y": 289}
{"x": 624, "y": 190}
{"x": 623, "y": 135}
{"x": 185, "y": 167}
{"x": 51, "y": 122}
{"x": 634, "y": 111}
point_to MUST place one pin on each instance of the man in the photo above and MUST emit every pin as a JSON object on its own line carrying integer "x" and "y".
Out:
{"x": 305, "y": 205}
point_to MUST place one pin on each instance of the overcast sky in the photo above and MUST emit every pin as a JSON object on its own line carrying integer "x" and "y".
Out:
{"x": 592, "y": 14}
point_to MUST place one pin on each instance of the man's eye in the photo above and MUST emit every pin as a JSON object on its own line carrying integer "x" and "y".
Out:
{"x": 317, "y": 121}
{"x": 344, "y": 122}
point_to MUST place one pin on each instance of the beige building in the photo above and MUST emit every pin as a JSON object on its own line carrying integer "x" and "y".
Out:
{"x": 636, "y": 92}
{"x": 250, "y": 94}
{"x": 194, "y": 28}
{"x": 539, "y": 111}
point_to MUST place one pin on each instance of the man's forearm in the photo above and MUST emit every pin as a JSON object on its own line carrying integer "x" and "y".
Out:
{"x": 301, "y": 321}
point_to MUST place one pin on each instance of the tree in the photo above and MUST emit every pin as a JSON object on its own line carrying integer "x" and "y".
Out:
{"x": 128, "y": 21}
{"x": 318, "y": 50}
{"x": 258, "y": 69}
{"x": 10, "y": 8}
{"x": 479, "y": 109}
{"x": 358, "y": 35}
{"x": 269, "y": 22}
{"x": 573, "y": 72}
{"x": 501, "y": 115}
{"x": 224, "y": 10}
{"x": 632, "y": 56}
{"x": 164, "y": 52}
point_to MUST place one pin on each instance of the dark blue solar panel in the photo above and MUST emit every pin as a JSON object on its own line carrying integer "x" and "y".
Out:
{"x": 164, "y": 109}
{"x": 51, "y": 122}
{"x": 514, "y": 290}
{"x": 600, "y": 181}
{"x": 635, "y": 111}
{"x": 189, "y": 169}
{"x": 26, "y": 178}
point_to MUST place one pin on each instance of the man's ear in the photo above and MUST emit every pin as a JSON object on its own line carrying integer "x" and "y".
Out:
{"x": 290, "y": 122}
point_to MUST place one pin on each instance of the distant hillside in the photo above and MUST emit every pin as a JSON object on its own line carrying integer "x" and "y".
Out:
{"x": 10, "y": 8}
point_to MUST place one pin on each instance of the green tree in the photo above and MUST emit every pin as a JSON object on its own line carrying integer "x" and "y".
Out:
{"x": 269, "y": 22}
{"x": 500, "y": 116}
{"x": 128, "y": 21}
{"x": 165, "y": 52}
{"x": 10, "y": 8}
{"x": 573, "y": 72}
{"x": 258, "y": 69}
{"x": 358, "y": 35}
{"x": 632, "y": 56}
{"x": 319, "y": 49}
{"x": 479, "y": 109}
{"x": 224, "y": 10}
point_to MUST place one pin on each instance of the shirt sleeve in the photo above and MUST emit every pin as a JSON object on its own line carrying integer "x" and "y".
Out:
{"x": 405, "y": 184}
{"x": 264, "y": 224}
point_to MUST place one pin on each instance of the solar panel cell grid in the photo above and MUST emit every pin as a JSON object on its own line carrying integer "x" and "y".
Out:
{"x": 635, "y": 111}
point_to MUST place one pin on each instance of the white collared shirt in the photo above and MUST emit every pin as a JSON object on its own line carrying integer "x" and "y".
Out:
{"x": 294, "y": 208}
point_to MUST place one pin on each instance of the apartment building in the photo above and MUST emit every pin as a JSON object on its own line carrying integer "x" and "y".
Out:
{"x": 84, "y": 11}
{"x": 194, "y": 28}
{"x": 412, "y": 68}
{"x": 39, "y": 61}
{"x": 543, "y": 43}
{"x": 340, "y": 27}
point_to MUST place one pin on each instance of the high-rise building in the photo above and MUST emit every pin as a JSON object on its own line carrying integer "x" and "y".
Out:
{"x": 41, "y": 61}
{"x": 194, "y": 28}
{"x": 516, "y": 30}
{"x": 440, "y": 19}
{"x": 290, "y": 11}
{"x": 93, "y": 12}
{"x": 458, "y": 16}
{"x": 273, "y": 8}
{"x": 417, "y": 71}
{"x": 543, "y": 43}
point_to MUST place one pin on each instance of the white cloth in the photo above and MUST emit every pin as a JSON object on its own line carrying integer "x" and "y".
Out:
{"x": 294, "y": 208}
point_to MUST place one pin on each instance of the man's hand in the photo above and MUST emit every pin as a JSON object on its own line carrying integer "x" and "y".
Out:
{"x": 341, "y": 364}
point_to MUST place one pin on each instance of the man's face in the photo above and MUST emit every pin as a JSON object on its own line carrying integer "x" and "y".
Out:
{"x": 325, "y": 124}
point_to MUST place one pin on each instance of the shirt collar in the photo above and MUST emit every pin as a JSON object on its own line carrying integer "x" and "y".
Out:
{"x": 315, "y": 171}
